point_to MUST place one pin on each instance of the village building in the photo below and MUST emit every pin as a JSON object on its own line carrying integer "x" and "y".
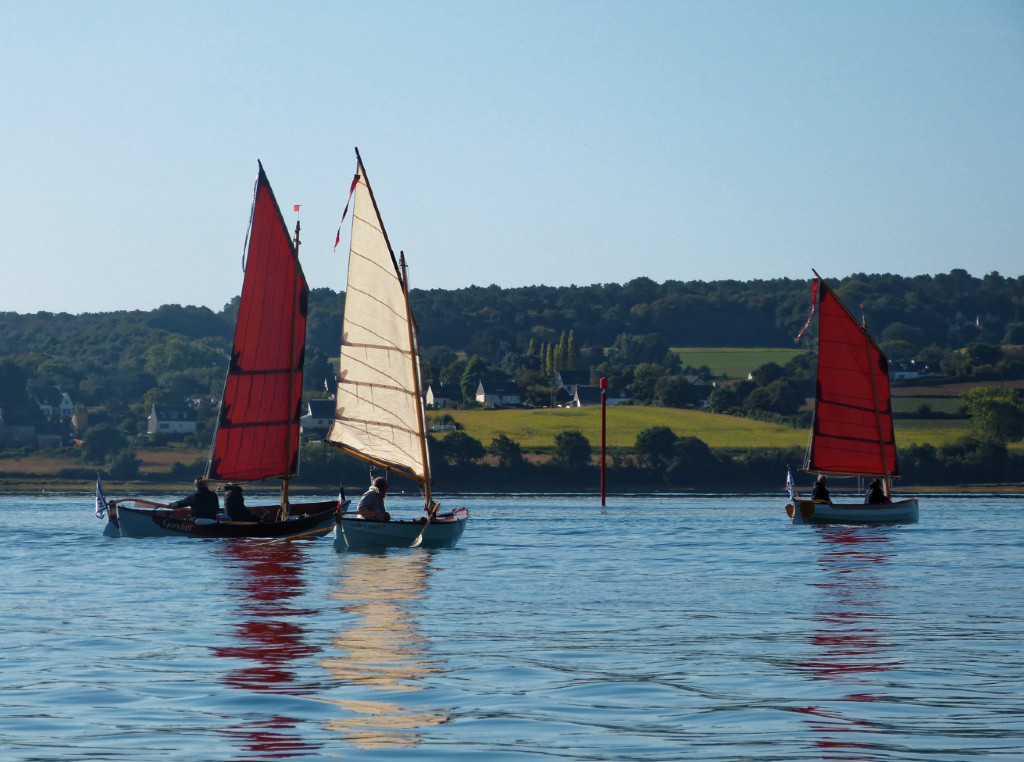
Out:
{"x": 318, "y": 417}
{"x": 440, "y": 396}
{"x": 171, "y": 419}
{"x": 498, "y": 393}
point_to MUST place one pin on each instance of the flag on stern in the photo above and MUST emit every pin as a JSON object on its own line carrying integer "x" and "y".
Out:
{"x": 101, "y": 500}
{"x": 789, "y": 483}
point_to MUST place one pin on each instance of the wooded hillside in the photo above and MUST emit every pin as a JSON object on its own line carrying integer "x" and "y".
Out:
{"x": 116, "y": 365}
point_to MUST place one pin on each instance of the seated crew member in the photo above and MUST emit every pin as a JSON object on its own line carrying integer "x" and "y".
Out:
{"x": 875, "y": 494}
{"x": 234, "y": 504}
{"x": 371, "y": 504}
{"x": 820, "y": 491}
{"x": 203, "y": 501}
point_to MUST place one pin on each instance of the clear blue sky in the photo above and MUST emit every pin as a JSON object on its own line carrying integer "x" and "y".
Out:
{"x": 513, "y": 142}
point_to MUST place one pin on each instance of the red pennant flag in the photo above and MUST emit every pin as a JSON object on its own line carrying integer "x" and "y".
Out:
{"x": 351, "y": 190}
{"x": 814, "y": 303}
{"x": 297, "y": 207}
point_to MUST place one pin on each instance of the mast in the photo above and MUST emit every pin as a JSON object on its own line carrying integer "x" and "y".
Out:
{"x": 417, "y": 384}
{"x": 878, "y": 414}
{"x": 283, "y": 513}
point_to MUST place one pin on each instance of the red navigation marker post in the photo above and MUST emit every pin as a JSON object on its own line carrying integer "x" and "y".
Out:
{"x": 604, "y": 399}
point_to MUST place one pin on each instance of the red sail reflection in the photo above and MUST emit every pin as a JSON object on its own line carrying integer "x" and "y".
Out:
{"x": 851, "y": 639}
{"x": 268, "y": 643}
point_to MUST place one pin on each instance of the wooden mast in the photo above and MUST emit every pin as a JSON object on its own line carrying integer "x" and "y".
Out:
{"x": 283, "y": 513}
{"x": 416, "y": 383}
{"x": 878, "y": 413}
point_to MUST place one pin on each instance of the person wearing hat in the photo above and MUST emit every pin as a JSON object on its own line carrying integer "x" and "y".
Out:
{"x": 371, "y": 504}
{"x": 234, "y": 504}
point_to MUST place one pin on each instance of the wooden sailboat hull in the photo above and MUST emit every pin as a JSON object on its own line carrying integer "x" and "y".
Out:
{"x": 811, "y": 512}
{"x": 167, "y": 522}
{"x": 351, "y": 533}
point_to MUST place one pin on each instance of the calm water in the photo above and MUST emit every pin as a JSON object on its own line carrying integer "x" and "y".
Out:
{"x": 667, "y": 628}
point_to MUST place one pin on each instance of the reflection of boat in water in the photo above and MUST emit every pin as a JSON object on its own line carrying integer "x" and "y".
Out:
{"x": 268, "y": 641}
{"x": 381, "y": 651}
{"x": 851, "y": 639}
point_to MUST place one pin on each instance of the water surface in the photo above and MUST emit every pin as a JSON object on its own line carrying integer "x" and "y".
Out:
{"x": 697, "y": 627}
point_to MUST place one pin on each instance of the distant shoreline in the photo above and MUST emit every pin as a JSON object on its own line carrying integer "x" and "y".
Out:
{"x": 117, "y": 489}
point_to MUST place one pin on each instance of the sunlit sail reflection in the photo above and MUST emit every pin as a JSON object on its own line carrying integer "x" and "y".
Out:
{"x": 382, "y": 650}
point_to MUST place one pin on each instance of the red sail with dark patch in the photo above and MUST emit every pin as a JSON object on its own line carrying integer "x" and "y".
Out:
{"x": 258, "y": 431}
{"x": 852, "y": 431}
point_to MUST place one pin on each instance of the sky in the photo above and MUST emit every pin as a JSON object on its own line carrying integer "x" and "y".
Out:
{"x": 508, "y": 142}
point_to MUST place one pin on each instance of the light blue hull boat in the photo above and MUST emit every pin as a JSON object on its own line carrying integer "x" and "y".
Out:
{"x": 444, "y": 531}
{"x": 811, "y": 512}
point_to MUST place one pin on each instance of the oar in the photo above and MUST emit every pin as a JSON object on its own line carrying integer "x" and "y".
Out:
{"x": 321, "y": 530}
{"x": 137, "y": 500}
{"x": 430, "y": 514}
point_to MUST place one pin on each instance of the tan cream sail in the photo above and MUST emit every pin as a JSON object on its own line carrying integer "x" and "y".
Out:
{"x": 379, "y": 413}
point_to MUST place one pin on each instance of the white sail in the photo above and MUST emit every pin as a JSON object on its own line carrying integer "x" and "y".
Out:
{"x": 378, "y": 414}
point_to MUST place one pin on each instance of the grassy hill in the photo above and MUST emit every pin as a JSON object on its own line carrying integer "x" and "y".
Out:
{"x": 536, "y": 429}
{"x": 734, "y": 362}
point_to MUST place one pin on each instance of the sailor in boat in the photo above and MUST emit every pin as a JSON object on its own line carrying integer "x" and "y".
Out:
{"x": 203, "y": 501}
{"x": 371, "y": 504}
{"x": 875, "y": 494}
{"x": 820, "y": 491}
{"x": 234, "y": 504}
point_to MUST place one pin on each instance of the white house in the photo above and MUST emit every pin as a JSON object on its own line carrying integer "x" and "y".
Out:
{"x": 442, "y": 395}
{"x": 171, "y": 419}
{"x": 318, "y": 417}
{"x": 587, "y": 396}
{"x": 571, "y": 379}
{"x": 53, "y": 402}
{"x": 497, "y": 393}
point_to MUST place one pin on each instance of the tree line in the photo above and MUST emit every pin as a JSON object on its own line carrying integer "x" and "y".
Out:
{"x": 115, "y": 365}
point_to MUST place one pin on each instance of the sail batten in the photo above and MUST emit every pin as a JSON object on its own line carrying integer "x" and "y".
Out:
{"x": 852, "y": 429}
{"x": 257, "y": 433}
{"x": 378, "y": 410}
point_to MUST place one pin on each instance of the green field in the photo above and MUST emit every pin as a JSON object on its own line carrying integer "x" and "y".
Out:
{"x": 734, "y": 362}
{"x": 535, "y": 429}
{"x": 949, "y": 405}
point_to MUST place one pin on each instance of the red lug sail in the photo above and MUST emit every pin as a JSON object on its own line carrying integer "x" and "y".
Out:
{"x": 258, "y": 431}
{"x": 852, "y": 431}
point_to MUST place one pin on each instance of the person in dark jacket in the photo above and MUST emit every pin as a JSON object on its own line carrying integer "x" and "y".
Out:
{"x": 371, "y": 504}
{"x": 820, "y": 491}
{"x": 234, "y": 504}
{"x": 203, "y": 501}
{"x": 875, "y": 494}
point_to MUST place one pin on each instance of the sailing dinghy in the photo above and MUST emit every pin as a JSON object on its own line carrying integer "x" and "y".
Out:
{"x": 852, "y": 429}
{"x": 257, "y": 435}
{"x": 379, "y": 416}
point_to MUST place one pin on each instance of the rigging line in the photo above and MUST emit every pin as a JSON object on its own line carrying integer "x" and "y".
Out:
{"x": 373, "y": 297}
{"x": 365, "y": 425}
{"x": 375, "y": 347}
{"x": 354, "y": 360}
{"x": 370, "y": 385}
